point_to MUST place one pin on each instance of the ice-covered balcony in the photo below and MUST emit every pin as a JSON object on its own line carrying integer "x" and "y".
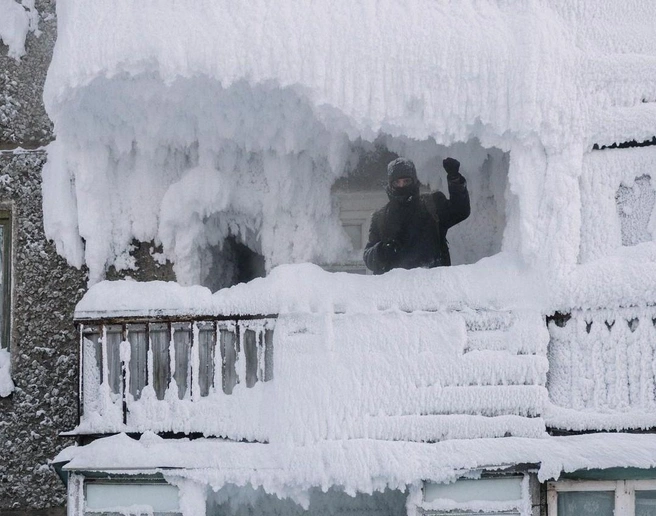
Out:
{"x": 306, "y": 355}
{"x": 216, "y": 130}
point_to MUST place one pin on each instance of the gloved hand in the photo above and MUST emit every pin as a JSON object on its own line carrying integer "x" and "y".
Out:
{"x": 389, "y": 249}
{"x": 452, "y": 167}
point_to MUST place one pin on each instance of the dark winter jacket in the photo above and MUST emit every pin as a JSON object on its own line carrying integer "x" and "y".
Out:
{"x": 419, "y": 238}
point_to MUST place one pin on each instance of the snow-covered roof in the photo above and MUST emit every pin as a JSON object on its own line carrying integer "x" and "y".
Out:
{"x": 424, "y": 68}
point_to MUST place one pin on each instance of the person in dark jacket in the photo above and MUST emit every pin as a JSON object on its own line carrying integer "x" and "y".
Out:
{"x": 410, "y": 230}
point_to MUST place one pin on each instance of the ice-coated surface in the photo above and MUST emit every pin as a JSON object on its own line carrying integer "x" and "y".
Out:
{"x": 392, "y": 357}
{"x": 360, "y": 325}
{"x": 6, "y": 384}
{"x": 187, "y": 124}
{"x": 16, "y": 20}
{"x": 500, "y": 282}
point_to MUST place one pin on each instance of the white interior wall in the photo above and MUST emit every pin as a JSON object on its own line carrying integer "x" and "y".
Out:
{"x": 361, "y": 191}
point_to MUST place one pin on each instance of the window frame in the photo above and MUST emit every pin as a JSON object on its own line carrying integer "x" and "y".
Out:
{"x": 6, "y": 223}
{"x": 624, "y": 492}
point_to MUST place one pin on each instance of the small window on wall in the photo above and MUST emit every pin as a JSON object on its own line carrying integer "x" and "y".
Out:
{"x": 634, "y": 207}
{"x": 5, "y": 277}
{"x": 502, "y": 495}
{"x": 602, "y": 498}
{"x": 136, "y": 498}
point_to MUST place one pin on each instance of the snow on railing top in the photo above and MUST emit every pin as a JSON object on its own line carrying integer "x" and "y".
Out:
{"x": 422, "y": 355}
{"x": 500, "y": 282}
{"x": 626, "y": 278}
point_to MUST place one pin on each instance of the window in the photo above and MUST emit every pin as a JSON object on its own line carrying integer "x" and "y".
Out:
{"x": 507, "y": 495}
{"x": 602, "y": 498}
{"x": 5, "y": 277}
{"x": 105, "y": 498}
{"x": 361, "y": 192}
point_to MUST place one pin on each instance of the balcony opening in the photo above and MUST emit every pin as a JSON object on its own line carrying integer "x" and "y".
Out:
{"x": 230, "y": 263}
{"x": 362, "y": 191}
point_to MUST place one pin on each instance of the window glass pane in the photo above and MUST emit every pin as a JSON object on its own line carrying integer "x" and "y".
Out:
{"x": 485, "y": 489}
{"x": 111, "y": 496}
{"x": 645, "y": 503}
{"x": 588, "y": 503}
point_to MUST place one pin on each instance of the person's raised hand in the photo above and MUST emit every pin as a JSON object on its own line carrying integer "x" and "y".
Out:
{"x": 452, "y": 167}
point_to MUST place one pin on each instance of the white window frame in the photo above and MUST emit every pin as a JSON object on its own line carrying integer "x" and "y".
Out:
{"x": 77, "y": 494}
{"x": 418, "y": 506}
{"x": 624, "y": 492}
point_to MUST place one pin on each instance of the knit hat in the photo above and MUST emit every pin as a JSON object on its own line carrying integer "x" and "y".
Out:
{"x": 401, "y": 167}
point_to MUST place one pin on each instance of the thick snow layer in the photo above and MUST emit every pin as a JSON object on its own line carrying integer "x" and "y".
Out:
{"x": 16, "y": 20}
{"x": 346, "y": 367}
{"x": 625, "y": 278}
{"x": 6, "y": 384}
{"x": 498, "y": 283}
{"x": 187, "y": 124}
{"x": 358, "y": 465}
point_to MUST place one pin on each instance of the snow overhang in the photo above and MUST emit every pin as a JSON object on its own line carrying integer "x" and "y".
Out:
{"x": 356, "y": 465}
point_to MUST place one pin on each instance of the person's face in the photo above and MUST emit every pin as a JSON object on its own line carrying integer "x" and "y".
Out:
{"x": 402, "y": 182}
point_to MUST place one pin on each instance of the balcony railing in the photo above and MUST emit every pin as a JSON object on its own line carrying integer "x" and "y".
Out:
{"x": 602, "y": 364}
{"x": 129, "y": 364}
{"x": 422, "y": 376}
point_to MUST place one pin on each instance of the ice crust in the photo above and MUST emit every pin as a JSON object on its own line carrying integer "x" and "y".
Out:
{"x": 215, "y": 119}
{"x": 207, "y": 119}
{"x": 6, "y": 384}
{"x": 390, "y": 357}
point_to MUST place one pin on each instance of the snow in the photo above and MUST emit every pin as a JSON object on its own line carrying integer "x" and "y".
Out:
{"x": 501, "y": 282}
{"x": 16, "y": 20}
{"x": 6, "y": 384}
{"x": 209, "y": 119}
{"x": 415, "y": 363}
{"x": 485, "y": 375}
{"x": 357, "y": 466}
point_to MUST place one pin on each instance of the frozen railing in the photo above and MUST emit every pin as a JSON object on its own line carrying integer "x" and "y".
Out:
{"x": 125, "y": 360}
{"x": 602, "y": 364}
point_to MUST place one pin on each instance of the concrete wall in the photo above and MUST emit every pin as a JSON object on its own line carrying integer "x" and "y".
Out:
{"x": 45, "y": 289}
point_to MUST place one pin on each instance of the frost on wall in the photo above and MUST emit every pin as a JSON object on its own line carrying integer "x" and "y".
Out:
{"x": 16, "y": 20}
{"x": 6, "y": 384}
{"x": 617, "y": 194}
